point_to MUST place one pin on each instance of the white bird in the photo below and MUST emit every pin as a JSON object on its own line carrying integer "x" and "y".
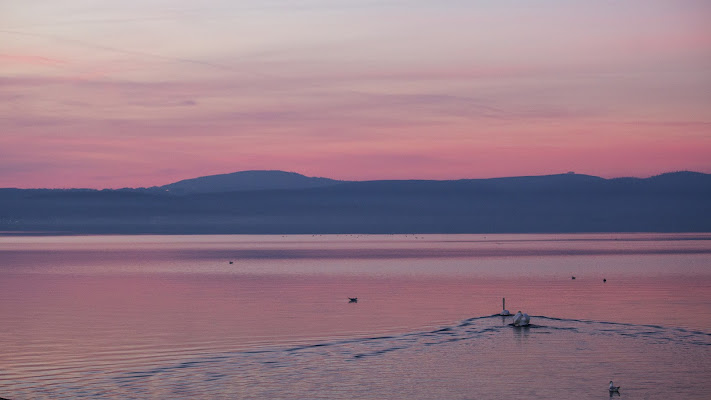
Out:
{"x": 517, "y": 318}
{"x": 521, "y": 319}
{"x": 525, "y": 320}
{"x": 614, "y": 388}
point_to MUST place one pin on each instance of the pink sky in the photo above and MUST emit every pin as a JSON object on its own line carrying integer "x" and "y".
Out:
{"x": 142, "y": 93}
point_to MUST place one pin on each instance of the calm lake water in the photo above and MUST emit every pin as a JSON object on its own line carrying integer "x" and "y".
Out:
{"x": 171, "y": 317}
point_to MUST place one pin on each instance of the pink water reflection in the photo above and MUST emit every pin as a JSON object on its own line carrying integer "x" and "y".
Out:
{"x": 75, "y": 306}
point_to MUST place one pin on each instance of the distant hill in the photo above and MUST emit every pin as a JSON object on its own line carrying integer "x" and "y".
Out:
{"x": 246, "y": 180}
{"x": 285, "y": 203}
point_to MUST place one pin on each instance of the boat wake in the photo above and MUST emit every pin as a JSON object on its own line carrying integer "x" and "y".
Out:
{"x": 475, "y": 330}
{"x": 299, "y": 370}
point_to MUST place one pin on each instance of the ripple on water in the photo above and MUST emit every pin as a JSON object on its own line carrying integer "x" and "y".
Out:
{"x": 478, "y": 357}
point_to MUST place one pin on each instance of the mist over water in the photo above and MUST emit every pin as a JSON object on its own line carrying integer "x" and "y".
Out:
{"x": 170, "y": 317}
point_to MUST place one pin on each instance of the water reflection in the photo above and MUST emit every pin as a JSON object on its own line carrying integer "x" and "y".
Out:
{"x": 176, "y": 320}
{"x": 475, "y": 357}
{"x": 521, "y": 333}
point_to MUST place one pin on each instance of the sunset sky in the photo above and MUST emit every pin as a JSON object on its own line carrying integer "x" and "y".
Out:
{"x": 111, "y": 93}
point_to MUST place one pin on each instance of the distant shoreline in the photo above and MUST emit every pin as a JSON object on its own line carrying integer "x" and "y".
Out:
{"x": 567, "y": 203}
{"x": 678, "y": 236}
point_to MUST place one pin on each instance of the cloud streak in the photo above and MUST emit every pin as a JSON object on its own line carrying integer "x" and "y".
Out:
{"x": 352, "y": 90}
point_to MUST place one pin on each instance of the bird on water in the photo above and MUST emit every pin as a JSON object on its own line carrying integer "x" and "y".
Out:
{"x": 521, "y": 319}
{"x": 614, "y": 388}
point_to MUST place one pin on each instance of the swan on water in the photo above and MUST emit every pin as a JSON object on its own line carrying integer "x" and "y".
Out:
{"x": 525, "y": 320}
{"x": 517, "y": 318}
{"x": 614, "y": 388}
{"x": 521, "y": 319}
{"x": 505, "y": 312}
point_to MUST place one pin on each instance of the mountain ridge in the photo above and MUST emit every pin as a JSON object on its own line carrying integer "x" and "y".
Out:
{"x": 249, "y": 180}
{"x": 246, "y": 180}
{"x": 674, "y": 202}
{"x": 293, "y": 180}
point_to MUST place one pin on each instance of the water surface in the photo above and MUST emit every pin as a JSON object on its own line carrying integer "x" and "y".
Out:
{"x": 169, "y": 316}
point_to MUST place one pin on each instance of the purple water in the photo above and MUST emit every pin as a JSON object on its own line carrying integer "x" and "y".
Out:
{"x": 170, "y": 317}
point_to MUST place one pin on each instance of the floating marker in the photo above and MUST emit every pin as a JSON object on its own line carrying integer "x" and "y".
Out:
{"x": 504, "y": 311}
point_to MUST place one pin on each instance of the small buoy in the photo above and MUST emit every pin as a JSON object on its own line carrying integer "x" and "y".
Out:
{"x": 504, "y": 311}
{"x": 604, "y": 280}
{"x": 573, "y": 278}
{"x": 231, "y": 262}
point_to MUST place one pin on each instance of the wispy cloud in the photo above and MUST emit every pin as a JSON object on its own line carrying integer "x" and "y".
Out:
{"x": 351, "y": 89}
{"x": 29, "y": 59}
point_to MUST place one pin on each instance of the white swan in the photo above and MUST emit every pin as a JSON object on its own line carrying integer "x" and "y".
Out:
{"x": 517, "y": 318}
{"x": 521, "y": 319}
{"x": 614, "y": 388}
{"x": 525, "y": 320}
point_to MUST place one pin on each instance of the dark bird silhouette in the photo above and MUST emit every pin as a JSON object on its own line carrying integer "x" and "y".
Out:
{"x": 352, "y": 299}
{"x": 614, "y": 388}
